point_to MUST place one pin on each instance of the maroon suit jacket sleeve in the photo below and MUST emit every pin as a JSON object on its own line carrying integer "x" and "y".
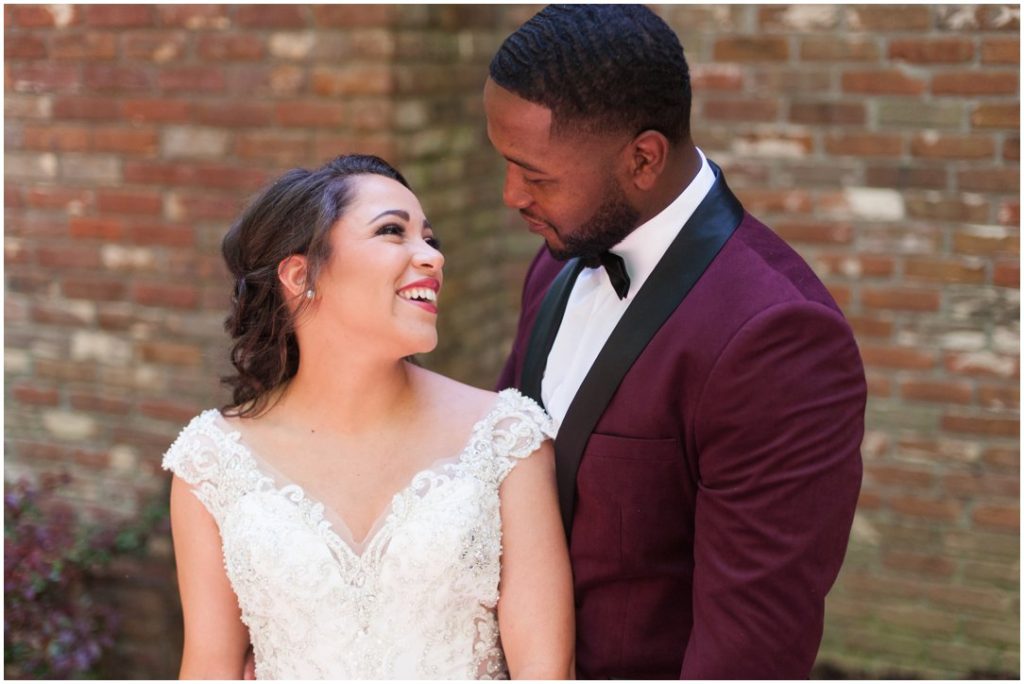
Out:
{"x": 778, "y": 429}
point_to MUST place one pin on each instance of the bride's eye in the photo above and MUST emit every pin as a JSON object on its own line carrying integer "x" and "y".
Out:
{"x": 433, "y": 242}
{"x": 391, "y": 229}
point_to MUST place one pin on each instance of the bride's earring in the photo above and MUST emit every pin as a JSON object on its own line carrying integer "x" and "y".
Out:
{"x": 310, "y": 294}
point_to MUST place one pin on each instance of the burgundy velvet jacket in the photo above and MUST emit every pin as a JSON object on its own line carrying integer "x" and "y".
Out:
{"x": 714, "y": 497}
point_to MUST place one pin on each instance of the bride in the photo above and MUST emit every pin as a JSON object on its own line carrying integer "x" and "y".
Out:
{"x": 350, "y": 514}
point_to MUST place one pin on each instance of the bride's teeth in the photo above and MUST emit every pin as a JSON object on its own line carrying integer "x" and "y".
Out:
{"x": 424, "y": 293}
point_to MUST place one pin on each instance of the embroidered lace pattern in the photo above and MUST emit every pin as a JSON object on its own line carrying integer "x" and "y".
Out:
{"x": 418, "y": 601}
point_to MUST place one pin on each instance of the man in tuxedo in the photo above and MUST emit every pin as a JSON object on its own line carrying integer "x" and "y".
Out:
{"x": 708, "y": 392}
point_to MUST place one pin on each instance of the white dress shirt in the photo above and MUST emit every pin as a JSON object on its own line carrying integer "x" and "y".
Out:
{"x": 594, "y": 309}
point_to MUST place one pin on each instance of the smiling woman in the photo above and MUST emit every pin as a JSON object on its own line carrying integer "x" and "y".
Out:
{"x": 349, "y": 514}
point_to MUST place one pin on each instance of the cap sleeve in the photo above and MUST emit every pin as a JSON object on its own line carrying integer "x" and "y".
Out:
{"x": 516, "y": 428}
{"x": 210, "y": 461}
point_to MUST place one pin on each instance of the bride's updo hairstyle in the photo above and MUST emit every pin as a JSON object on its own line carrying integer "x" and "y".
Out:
{"x": 293, "y": 216}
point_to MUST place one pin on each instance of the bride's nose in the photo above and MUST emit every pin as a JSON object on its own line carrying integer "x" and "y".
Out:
{"x": 428, "y": 257}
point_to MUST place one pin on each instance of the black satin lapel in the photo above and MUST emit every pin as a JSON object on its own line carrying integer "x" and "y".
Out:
{"x": 684, "y": 262}
{"x": 545, "y": 327}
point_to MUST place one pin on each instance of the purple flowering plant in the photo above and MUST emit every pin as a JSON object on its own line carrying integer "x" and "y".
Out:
{"x": 54, "y": 626}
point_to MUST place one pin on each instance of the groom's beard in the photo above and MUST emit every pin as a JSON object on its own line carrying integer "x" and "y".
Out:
{"x": 611, "y": 222}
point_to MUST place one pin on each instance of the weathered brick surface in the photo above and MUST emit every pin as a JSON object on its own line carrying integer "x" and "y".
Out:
{"x": 881, "y": 141}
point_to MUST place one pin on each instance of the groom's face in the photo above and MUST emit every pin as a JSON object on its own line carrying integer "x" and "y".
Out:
{"x": 570, "y": 189}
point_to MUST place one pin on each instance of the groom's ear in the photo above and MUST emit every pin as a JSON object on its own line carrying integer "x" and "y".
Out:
{"x": 648, "y": 155}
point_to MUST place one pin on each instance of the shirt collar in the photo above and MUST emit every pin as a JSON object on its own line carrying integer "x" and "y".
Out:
{"x": 642, "y": 249}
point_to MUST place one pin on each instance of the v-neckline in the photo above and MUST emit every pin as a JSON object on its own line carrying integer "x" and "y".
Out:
{"x": 298, "y": 494}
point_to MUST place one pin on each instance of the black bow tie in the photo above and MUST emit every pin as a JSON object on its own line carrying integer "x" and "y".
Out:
{"x": 615, "y": 268}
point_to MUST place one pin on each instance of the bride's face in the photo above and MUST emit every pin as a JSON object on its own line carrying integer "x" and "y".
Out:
{"x": 382, "y": 280}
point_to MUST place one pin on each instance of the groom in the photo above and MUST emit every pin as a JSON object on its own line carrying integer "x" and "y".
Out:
{"x": 709, "y": 393}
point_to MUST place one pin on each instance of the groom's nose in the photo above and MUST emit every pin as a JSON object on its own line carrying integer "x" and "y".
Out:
{"x": 514, "y": 193}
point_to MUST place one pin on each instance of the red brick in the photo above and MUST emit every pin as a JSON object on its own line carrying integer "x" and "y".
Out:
{"x": 986, "y": 424}
{"x": 898, "y": 357}
{"x": 192, "y": 79}
{"x": 69, "y": 257}
{"x": 166, "y": 295}
{"x": 116, "y": 201}
{"x": 56, "y": 138}
{"x": 942, "y": 208}
{"x": 862, "y": 265}
{"x": 160, "y": 46}
{"x": 166, "y": 111}
{"x": 900, "y": 299}
{"x": 115, "y": 78}
{"x": 13, "y": 197}
{"x": 868, "y": 501}
{"x": 834, "y": 48}
{"x": 946, "y": 146}
{"x": 975, "y": 484}
{"x": 864, "y": 144}
{"x": 200, "y": 207}
{"x": 1009, "y": 213}
{"x": 926, "y": 508}
{"x": 194, "y": 16}
{"x": 906, "y": 477}
{"x": 882, "y": 82}
{"x": 352, "y": 16}
{"x": 93, "y": 288}
{"x": 1000, "y": 51}
{"x": 1011, "y": 149}
{"x": 986, "y": 243}
{"x": 880, "y": 18}
{"x": 41, "y": 77}
{"x": 58, "y": 197}
{"x": 998, "y": 18}
{"x": 996, "y": 517}
{"x": 712, "y": 77}
{"x": 905, "y": 176}
{"x": 828, "y": 113}
{"x": 982, "y": 365}
{"x": 281, "y": 147}
{"x": 35, "y": 395}
{"x": 758, "y": 49}
{"x": 118, "y": 16}
{"x": 271, "y": 16}
{"x": 931, "y": 566}
{"x": 85, "y": 107}
{"x": 1006, "y": 274}
{"x": 232, "y": 177}
{"x": 944, "y": 270}
{"x": 233, "y": 114}
{"x": 65, "y": 371}
{"x": 947, "y": 50}
{"x": 173, "y": 411}
{"x": 761, "y": 201}
{"x": 26, "y": 46}
{"x": 92, "y": 227}
{"x": 170, "y": 353}
{"x": 357, "y": 79}
{"x": 159, "y": 173}
{"x": 100, "y": 404}
{"x": 161, "y": 234}
{"x": 989, "y": 180}
{"x": 970, "y": 599}
{"x": 83, "y": 46}
{"x": 96, "y": 460}
{"x": 126, "y": 140}
{"x": 230, "y": 47}
{"x": 311, "y": 113}
{"x": 32, "y": 16}
{"x": 1002, "y": 458}
{"x": 996, "y": 115}
{"x": 869, "y": 326}
{"x": 878, "y": 386}
{"x": 975, "y": 83}
{"x": 940, "y": 391}
{"x": 746, "y": 109}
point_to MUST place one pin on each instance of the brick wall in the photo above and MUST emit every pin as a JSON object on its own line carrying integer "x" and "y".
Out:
{"x": 882, "y": 142}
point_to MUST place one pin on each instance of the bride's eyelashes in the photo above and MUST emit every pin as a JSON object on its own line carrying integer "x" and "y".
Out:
{"x": 399, "y": 231}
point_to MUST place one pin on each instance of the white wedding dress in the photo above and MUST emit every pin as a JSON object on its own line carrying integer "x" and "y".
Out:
{"x": 416, "y": 600}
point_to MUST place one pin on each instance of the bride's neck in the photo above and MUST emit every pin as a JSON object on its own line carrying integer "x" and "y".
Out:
{"x": 348, "y": 396}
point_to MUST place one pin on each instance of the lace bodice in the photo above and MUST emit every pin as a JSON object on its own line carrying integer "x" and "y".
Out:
{"x": 417, "y": 601}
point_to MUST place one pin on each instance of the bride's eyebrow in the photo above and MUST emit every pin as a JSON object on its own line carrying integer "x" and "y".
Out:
{"x": 391, "y": 212}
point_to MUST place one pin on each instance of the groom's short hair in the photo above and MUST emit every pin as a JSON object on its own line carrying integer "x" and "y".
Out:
{"x": 599, "y": 68}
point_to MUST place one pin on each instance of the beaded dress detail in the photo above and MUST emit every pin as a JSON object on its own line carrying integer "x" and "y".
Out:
{"x": 417, "y": 599}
